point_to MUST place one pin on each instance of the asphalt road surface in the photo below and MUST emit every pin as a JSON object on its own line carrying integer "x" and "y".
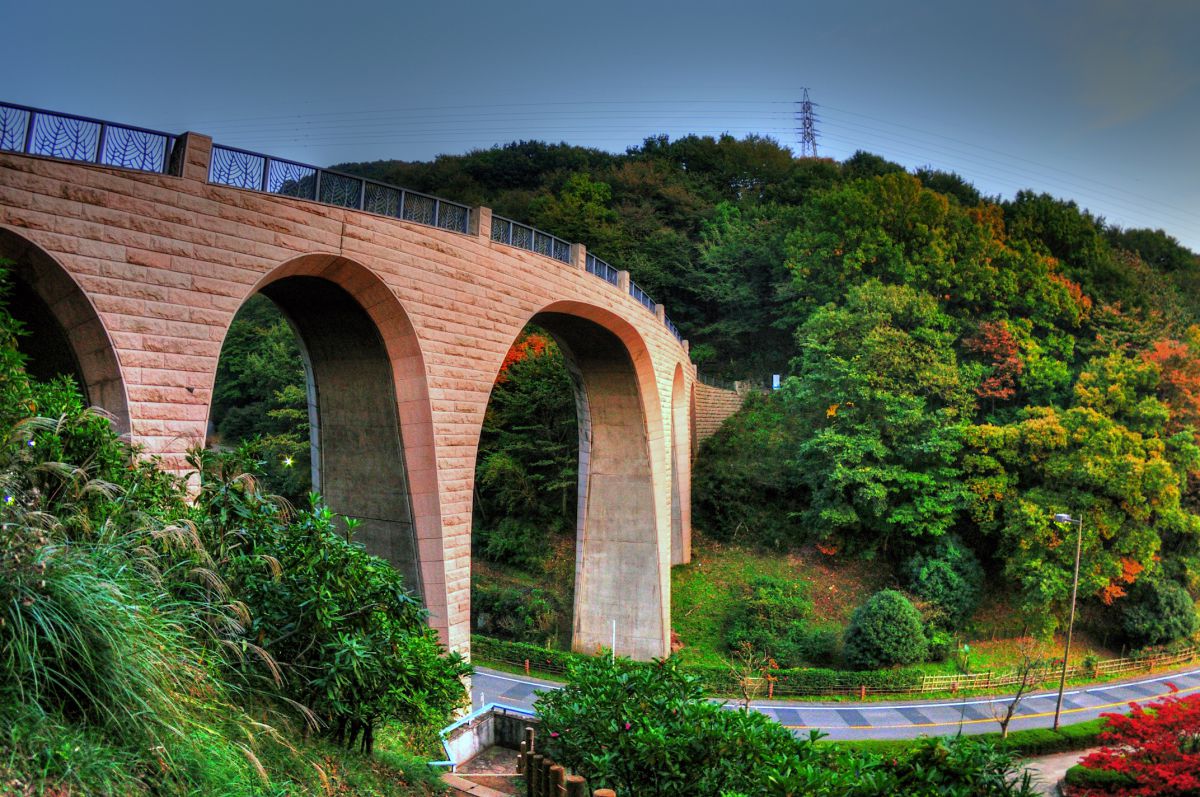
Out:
{"x": 902, "y": 719}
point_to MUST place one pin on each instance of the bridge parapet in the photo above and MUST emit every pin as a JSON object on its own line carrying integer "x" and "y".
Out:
{"x": 33, "y": 131}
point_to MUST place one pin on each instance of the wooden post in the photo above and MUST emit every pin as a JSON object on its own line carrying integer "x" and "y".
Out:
{"x": 529, "y": 736}
{"x": 558, "y": 777}
{"x": 527, "y": 666}
{"x": 544, "y": 777}
{"x": 604, "y": 793}
{"x": 862, "y": 692}
{"x": 770, "y": 690}
{"x": 531, "y": 779}
{"x": 576, "y": 786}
{"x": 522, "y": 752}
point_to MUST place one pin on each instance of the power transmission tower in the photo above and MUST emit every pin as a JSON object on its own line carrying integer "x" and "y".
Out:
{"x": 806, "y": 127}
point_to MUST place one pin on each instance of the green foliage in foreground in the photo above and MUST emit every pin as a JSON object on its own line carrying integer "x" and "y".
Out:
{"x": 648, "y": 731}
{"x": 152, "y": 645}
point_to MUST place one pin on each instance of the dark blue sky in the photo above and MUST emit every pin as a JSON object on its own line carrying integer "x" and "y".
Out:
{"x": 1095, "y": 101}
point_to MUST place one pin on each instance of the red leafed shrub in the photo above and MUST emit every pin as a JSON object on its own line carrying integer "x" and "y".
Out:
{"x": 996, "y": 344}
{"x": 1157, "y": 747}
{"x": 532, "y": 345}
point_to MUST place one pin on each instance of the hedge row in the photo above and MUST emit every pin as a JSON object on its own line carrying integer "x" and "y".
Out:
{"x": 716, "y": 680}
{"x": 1030, "y": 742}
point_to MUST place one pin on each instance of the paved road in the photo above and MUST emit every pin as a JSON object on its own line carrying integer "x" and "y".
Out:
{"x": 905, "y": 719}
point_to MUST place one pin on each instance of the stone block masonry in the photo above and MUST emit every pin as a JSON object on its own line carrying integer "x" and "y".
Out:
{"x": 405, "y": 327}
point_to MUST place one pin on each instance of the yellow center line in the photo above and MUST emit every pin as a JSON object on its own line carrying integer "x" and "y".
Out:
{"x": 956, "y": 723}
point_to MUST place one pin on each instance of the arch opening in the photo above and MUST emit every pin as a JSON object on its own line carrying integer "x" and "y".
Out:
{"x": 340, "y": 403}
{"x": 621, "y": 553}
{"x": 65, "y": 334}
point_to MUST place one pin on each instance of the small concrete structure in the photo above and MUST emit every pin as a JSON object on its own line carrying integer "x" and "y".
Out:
{"x": 404, "y": 326}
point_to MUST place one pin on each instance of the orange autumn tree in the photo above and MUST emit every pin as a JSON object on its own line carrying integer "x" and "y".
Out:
{"x": 533, "y": 344}
{"x": 1179, "y": 379}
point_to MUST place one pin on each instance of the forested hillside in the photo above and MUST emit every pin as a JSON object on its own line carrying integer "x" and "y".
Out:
{"x": 958, "y": 369}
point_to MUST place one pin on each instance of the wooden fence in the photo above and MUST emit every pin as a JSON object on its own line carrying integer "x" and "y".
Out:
{"x": 994, "y": 680}
{"x": 544, "y": 778}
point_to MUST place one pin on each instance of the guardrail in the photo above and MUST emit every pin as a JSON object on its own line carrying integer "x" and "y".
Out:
{"x": 255, "y": 171}
{"x": 599, "y": 268}
{"x": 642, "y": 297}
{"x": 33, "y": 131}
{"x": 522, "y": 236}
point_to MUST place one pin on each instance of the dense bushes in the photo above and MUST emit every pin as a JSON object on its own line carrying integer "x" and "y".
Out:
{"x": 352, "y": 642}
{"x": 885, "y": 630}
{"x": 1157, "y": 612}
{"x": 744, "y": 485}
{"x": 948, "y": 576}
{"x": 141, "y": 631}
{"x": 520, "y": 615}
{"x": 646, "y": 730}
{"x": 772, "y": 620}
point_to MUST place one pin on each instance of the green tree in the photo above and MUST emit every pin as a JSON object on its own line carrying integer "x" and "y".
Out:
{"x": 878, "y": 384}
{"x": 1107, "y": 460}
{"x": 261, "y": 395}
{"x": 525, "y": 471}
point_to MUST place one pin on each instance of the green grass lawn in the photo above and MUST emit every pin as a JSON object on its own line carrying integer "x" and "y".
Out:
{"x": 704, "y": 592}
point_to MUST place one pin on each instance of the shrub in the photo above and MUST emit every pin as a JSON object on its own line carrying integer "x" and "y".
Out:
{"x": 1104, "y": 780}
{"x": 513, "y": 540}
{"x": 1157, "y": 747}
{"x": 646, "y": 730}
{"x": 353, "y": 643}
{"x": 770, "y": 619}
{"x": 1157, "y": 612}
{"x": 521, "y": 615}
{"x": 949, "y": 576}
{"x": 885, "y": 630}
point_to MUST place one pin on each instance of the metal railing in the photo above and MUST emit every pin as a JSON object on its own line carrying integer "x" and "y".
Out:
{"x": 604, "y": 271}
{"x": 254, "y": 171}
{"x": 33, "y": 131}
{"x": 717, "y": 382}
{"x": 674, "y": 330}
{"x": 522, "y": 236}
{"x": 641, "y": 296}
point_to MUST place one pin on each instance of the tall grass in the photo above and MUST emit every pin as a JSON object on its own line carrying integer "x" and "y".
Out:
{"x": 89, "y": 638}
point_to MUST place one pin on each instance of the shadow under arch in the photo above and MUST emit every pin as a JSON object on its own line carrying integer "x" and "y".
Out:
{"x": 370, "y": 417}
{"x": 66, "y": 335}
{"x": 622, "y": 546}
{"x": 681, "y": 483}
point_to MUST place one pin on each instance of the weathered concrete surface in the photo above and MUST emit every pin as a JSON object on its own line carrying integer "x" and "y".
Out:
{"x": 357, "y": 445}
{"x": 144, "y": 273}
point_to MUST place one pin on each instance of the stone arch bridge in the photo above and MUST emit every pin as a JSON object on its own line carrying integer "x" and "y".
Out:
{"x": 135, "y": 248}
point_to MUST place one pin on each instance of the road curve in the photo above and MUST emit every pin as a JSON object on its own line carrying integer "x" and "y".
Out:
{"x": 903, "y": 719}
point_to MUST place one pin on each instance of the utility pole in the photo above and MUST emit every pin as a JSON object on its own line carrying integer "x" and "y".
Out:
{"x": 806, "y": 127}
{"x": 1062, "y": 681}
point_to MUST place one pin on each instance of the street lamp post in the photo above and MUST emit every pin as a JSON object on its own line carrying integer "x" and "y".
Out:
{"x": 1062, "y": 681}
